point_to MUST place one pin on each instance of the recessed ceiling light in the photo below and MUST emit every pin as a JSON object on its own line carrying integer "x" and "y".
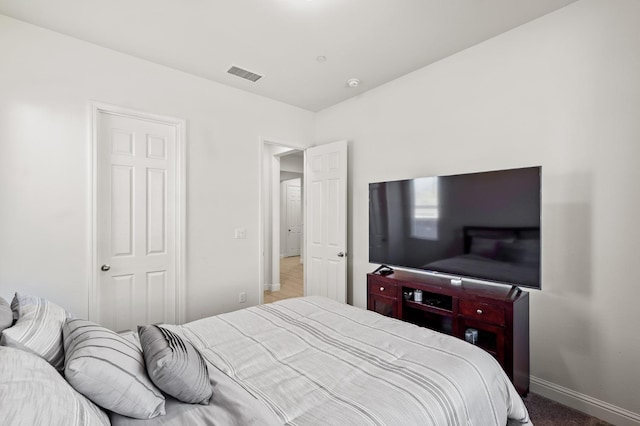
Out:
{"x": 353, "y": 82}
{"x": 321, "y": 58}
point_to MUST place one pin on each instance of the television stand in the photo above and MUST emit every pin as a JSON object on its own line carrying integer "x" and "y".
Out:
{"x": 499, "y": 313}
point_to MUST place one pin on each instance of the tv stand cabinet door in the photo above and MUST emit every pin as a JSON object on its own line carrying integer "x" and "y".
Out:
{"x": 383, "y": 305}
{"x": 382, "y": 296}
{"x": 491, "y": 338}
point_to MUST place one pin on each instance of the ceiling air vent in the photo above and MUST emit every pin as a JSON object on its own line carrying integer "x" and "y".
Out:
{"x": 242, "y": 73}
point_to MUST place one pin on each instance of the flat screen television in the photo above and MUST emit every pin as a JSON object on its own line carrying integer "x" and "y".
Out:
{"x": 482, "y": 226}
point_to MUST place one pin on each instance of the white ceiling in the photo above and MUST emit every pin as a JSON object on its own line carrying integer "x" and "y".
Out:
{"x": 375, "y": 41}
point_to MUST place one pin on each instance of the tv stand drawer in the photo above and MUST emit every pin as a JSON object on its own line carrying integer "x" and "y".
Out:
{"x": 483, "y": 312}
{"x": 383, "y": 288}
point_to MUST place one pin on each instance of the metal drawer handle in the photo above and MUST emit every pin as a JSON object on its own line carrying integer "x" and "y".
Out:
{"x": 479, "y": 311}
{"x": 381, "y": 288}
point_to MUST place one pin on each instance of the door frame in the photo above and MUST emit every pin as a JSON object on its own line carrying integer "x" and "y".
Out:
{"x": 95, "y": 108}
{"x": 262, "y": 213}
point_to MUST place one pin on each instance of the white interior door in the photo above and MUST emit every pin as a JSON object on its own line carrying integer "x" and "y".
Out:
{"x": 136, "y": 221}
{"x": 326, "y": 221}
{"x": 293, "y": 199}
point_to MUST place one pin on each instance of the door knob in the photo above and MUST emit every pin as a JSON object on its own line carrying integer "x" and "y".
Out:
{"x": 105, "y": 267}
{"x": 341, "y": 254}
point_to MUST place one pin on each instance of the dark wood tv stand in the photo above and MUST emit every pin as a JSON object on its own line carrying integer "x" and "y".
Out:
{"x": 499, "y": 313}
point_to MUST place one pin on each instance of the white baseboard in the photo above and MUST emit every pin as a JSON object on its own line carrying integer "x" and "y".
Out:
{"x": 581, "y": 402}
{"x": 271, "y": 287}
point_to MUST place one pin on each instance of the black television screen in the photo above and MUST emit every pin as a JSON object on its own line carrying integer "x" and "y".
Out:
{"x": 483, "y": 226}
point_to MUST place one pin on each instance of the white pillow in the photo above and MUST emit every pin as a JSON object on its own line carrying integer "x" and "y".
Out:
{"x": 38, "y": 328}
{"x": 174, "y": 365}
{"x": 6, "y": 315}
{"x": 109, "y": 370}
{"x": 34, "y": 393}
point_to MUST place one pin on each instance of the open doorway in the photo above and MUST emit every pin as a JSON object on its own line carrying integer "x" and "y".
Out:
{"x": 291, "y": 280}
{"x": 282, "y": 210}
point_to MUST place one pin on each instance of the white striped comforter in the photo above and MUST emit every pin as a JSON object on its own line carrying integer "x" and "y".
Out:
{"x": 315, "y": 361}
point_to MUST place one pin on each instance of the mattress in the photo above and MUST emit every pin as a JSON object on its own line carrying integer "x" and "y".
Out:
{"x": 311, "y": 360}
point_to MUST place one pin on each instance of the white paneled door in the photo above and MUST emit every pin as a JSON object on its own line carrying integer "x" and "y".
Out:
{"x": 326, "y": 221}
{"x": 294, "y": 216}
{"x": 136, "y": 221}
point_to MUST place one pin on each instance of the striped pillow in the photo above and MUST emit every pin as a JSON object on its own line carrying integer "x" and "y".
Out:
{"x": 38, "y": 328}
{"x": 174, "y": 365}
{"x": 34, "y": 393}
{"x": 6, "y": 315}
{"x": 109, "y": 370}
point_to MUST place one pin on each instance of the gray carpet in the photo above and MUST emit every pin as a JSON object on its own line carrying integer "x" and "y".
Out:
{"x": 544, "y": 412}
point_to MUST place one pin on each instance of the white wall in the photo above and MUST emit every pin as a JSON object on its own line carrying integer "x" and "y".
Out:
{"x": 293, "y": 163}
{"x": 46, "y": 83}
{"x": 562, "y": 92}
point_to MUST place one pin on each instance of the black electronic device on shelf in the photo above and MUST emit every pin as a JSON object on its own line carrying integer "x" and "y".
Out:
{"x": 383, "y": 270}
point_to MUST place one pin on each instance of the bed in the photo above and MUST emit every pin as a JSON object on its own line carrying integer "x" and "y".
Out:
{"x": 311, "y": 360}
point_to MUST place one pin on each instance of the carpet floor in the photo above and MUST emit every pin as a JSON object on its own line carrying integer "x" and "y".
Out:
{"x": 544, "y": 412}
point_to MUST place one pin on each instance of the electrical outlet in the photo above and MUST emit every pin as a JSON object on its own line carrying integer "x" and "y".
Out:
{"x": 241, "y": 233}
{"x": 242, "y": 297}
